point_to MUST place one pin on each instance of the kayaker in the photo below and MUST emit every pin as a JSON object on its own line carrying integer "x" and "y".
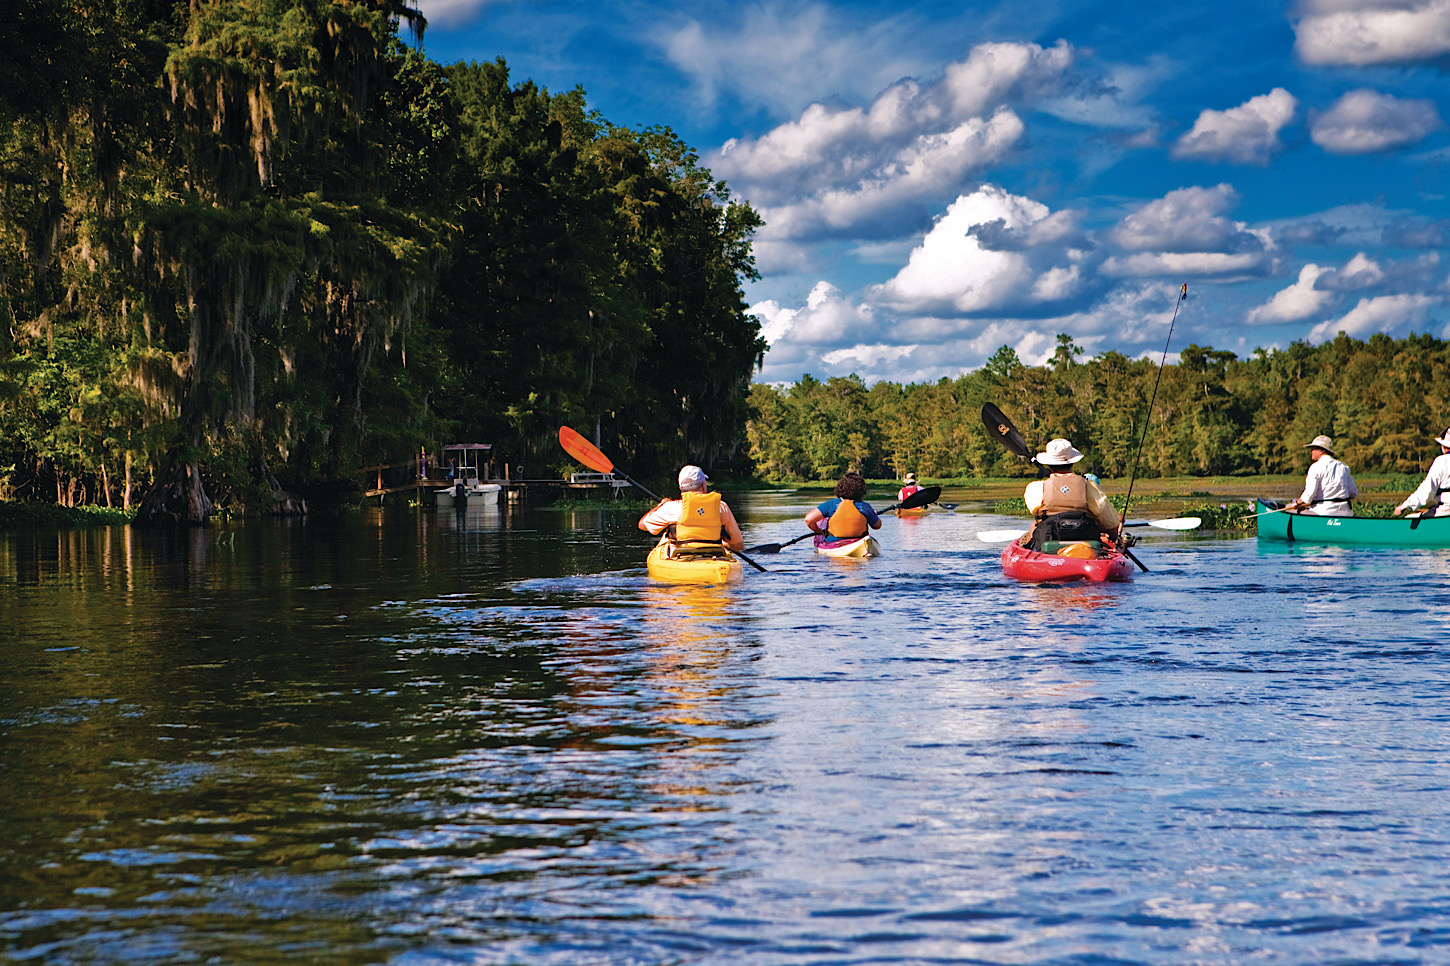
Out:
{"x": 1328, "y": 486}
{"x": 1434, "y": 491}
{"x": 908, "y": 487}
{"x": 699, "y": 521}
{"x": 1066, "y": 507}
{"x": 845, "y": 516}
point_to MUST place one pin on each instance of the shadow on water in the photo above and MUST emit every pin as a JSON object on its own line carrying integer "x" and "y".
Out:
{"x": 488, "y": 736}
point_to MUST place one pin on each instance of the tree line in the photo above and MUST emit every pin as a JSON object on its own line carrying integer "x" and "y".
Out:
{"x": 247, "y": 246}
{"x": 1382, "y": 400}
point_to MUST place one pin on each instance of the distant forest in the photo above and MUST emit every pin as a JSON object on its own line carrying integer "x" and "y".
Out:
{"x": 1382, "y": 401}
{"x": 250, "y": 245}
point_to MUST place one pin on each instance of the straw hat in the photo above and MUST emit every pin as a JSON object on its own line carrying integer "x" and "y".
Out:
{"x": 1324, "y": 443}
{"x": 911, "y": 477}
{"x": 1444, "y": 438}
{"x": 1059, "y": 453}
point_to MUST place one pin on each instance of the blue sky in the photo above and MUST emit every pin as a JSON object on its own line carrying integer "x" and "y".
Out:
{"x": 942, "y": 179}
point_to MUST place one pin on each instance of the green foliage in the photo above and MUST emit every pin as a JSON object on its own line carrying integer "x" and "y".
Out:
{"x": 1215, "y": 414}
{"x": 251, "y": 243}
{"x": 15, "y": 515}
{"x": 632, "y": 505}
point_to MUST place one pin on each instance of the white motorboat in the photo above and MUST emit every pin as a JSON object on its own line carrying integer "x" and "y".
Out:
{"x": 468, "y": 487}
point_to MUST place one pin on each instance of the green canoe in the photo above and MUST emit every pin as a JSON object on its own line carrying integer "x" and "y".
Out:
{"x": 1357, "y": 531}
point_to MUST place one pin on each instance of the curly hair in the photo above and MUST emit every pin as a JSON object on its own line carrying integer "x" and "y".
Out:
{"x": 852, "y": 486}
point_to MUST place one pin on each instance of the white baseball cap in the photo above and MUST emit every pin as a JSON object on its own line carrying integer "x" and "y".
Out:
{"x": 692, "y": 477}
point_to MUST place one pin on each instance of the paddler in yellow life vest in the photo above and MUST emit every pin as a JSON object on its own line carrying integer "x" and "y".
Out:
{"x": 1066, "y": 507}
{"x": 699, "y": 523}
{"x": 845, "y": 516}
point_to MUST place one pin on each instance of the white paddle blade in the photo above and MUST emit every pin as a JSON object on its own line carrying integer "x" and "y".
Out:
{"x": 1179, "y": 523}
{"x": 999, "y": 536}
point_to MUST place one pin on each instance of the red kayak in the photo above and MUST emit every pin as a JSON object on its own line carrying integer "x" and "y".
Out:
{"x": 1024, "y": 564}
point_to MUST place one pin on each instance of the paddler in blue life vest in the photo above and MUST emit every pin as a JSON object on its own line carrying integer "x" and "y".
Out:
{"x": 908, "y": 487}
{"x": 845, "y": 516}
{"x": 699, "y": 522}
{"x": 1066, "y": 507}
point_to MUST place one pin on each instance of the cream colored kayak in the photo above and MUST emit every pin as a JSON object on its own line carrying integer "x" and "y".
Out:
{"x": 690, "y": 570}
{"x": 861, "y": 547}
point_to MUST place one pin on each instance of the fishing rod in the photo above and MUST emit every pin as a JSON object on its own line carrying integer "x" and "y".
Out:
{"x": 1148, "y": 418}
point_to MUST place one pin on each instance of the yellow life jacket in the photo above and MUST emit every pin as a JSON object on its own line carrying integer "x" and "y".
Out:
{"x": 699, "y": 518}
{"x": 847, "y": 522}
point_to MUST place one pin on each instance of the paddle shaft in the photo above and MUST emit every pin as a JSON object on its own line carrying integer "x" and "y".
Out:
{"x": 1283, "y": 509}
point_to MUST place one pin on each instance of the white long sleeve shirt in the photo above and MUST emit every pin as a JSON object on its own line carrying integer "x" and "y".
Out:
{"x": 1436, "y": 486}
{"x": 1330, "y": 482}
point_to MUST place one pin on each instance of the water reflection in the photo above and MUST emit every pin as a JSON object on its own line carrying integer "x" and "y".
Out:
{"x": 489, "y": 736}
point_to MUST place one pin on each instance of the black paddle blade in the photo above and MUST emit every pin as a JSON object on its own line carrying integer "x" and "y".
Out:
{"x": 776, "y": 547}
{"x": 1000, "y": 428}
{"x": 921, "y": 497}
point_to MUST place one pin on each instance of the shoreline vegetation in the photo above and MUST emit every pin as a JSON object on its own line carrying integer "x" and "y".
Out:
{"x": 1222, "y": 502}
{"x": 1215, "y": 415}
{"x": 249, "y": 248}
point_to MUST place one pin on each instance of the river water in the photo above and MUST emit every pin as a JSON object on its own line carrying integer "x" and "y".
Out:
{"x": 420, "y": 737}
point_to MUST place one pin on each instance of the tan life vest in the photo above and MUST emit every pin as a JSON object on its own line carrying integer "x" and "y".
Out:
{"x": 1062, "y": 492}
{"x": 847, "y": 522}
{"x": 699, "y": 518}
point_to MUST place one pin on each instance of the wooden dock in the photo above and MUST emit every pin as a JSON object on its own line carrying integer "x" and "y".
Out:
{"x": 385, "y": 482}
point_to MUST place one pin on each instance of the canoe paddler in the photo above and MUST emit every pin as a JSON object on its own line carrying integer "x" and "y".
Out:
{"x": 1067, "y": 507}
{"x": 699, "y": 522}
{"x": 1328, "y": 486}
{"x": 1434, "y": 492}
{"x": 908, "y": 487}
{"x": 845, "y": 516}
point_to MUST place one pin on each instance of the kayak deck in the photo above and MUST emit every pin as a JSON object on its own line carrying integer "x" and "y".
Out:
{"x": 851, "y": 547}
{"x": 690, "y": 570}
{"x": 1023, "y": 563}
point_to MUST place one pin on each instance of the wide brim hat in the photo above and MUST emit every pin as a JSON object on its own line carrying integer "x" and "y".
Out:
{"x": 909, "y": 478}
{"x": 1444, "y": 438}
{"x": 1322, "y": 442}
{"x": 1059, "y": 452}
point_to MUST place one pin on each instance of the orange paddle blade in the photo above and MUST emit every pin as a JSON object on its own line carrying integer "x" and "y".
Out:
{"x": 584, "y": 451}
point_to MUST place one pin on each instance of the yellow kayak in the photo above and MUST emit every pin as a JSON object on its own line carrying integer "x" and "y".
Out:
{"x": 861, "y": 547}
{"x": 919, "y": 511}
{"x": 691, "y": 570}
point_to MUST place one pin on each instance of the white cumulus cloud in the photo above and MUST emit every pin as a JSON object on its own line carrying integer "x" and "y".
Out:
{"x": 1188, "y": 220}
{"x": 932, "y": 165}
{"x": 1363, "y": 33}
{"x": 778, "y": 55}
{"x": 951, "y": 271}
{"x": 828, "y": 318}
{"x": 1366, "y": 121}
{"x": 1247, "y": 134}
{"x": 1295, "y": 303}
{"x": 1390, "y": 314}
{"x": 444, "y": 13}
{"x": 876, "y": 170}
